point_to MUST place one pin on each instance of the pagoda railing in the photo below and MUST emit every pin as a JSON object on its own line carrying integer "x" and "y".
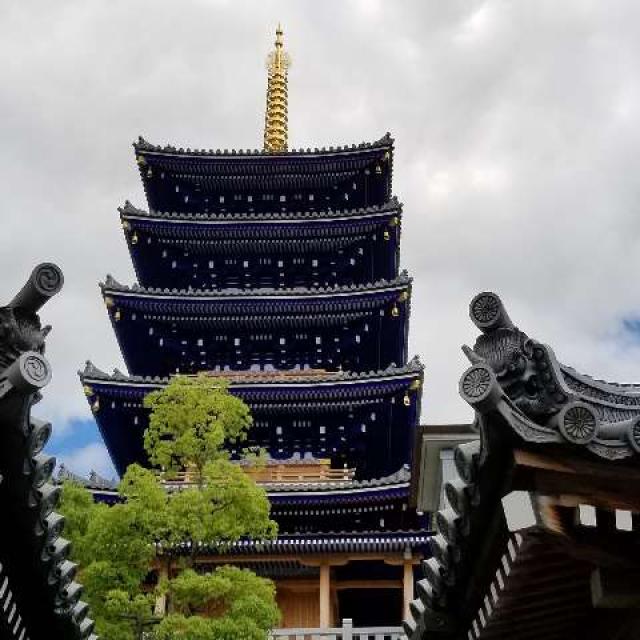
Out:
{"x": 281, "y": 473}
{"x": 346, "y": 632}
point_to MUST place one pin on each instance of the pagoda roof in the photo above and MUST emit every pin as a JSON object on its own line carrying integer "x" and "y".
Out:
{"x": 282, "y": 379}
{"x": 213, "y": 172}
{"x": 146, "y": 147}
{"x": 130, "y": 212}
{"x": 92, "y": 481}
{"x": 399, "y": 479}
{"x": 351, "y": 490}
{"x": 113, "y": 287}
{"x": 268, "y": 394}
{"x": 319, "y": 543}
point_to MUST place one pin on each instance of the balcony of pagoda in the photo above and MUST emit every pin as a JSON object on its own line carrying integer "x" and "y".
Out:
{"x": 365, "y": 421}
{"x": 308, "y": 502}
{"x": 264, "y": 250}
{"x": 185, "y": 180}
{"x": 162, "y": 332}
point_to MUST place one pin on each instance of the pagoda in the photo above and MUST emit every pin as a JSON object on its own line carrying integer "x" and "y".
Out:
{"x": 279, "y": 271}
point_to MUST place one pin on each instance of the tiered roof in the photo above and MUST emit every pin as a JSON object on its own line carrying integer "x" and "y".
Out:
{"x": 294, "y": 257}
{"x": 199, "y": 173}
{"x": 326, "y": 406}
{"x": 320, "y": 544}
{"x": 234, "y": 328}
{"x": 279, "y": 248}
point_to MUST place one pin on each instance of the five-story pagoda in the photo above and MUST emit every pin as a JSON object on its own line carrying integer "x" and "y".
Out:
{"x": 278, "y": 270}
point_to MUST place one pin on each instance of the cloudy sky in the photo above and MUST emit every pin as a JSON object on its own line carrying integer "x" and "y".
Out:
{"x": 517, "y": 128}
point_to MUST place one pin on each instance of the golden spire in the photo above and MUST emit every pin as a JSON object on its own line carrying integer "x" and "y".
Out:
{"x": 275, "y": 122}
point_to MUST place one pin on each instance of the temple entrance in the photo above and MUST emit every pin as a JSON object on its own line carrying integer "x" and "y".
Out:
{"x": 371, "y": 607}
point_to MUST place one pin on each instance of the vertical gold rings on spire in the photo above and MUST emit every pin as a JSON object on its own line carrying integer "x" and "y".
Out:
{"x": 275, "y": 122}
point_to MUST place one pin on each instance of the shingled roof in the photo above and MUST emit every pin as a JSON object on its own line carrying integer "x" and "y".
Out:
{"x": 129, "y": 211}
{"x": 514, "y": 556}
{"x": 112, "y": 286}
{"x": 142, "y": 145}
{"x": 39, "y": 598}
{"x": 91, "y": 373}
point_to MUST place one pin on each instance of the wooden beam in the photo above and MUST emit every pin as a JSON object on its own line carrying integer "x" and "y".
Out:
{"x": 366, "y": 584}
{"x": 598, "y": 483}
{"x": 293, "y": 584}
{"x": 325, "y": 596}
{"x": 407, "y": 589}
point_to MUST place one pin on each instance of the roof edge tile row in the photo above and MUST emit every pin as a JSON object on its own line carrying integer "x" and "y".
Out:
{"x": 128, "y": 210}
{"x": 414, "y": 366}
{"x": 144, "y": 146}
{"x": 111, "y": 285}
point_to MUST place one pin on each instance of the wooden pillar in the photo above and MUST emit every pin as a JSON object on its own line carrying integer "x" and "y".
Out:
{"x": 407, "y": 588}
{"x": 325, "y": 595}
{"x": 160, "y": 608}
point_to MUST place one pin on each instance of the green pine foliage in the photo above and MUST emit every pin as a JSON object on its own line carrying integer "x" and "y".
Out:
{"x": 192, "y": 420}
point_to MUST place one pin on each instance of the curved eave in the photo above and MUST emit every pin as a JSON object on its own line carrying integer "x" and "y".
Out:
{"x": 342, "y": 296}
{"x": 411, "y": 372}
{"x": 144, "y": 147}
{"x": 610, "y": 414}
{"x": 396, "y": 481}
{"x": 238, "y": 171}
{"x": 392, "y": 207}
{"x": 371, "y": 542}
{"x": 369, "y": 495}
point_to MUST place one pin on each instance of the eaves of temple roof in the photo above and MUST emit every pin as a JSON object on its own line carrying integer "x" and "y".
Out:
{"x": 39, "y": 595}
{"x": 543, "y": 503}
{"x": 398, "y": 480}
{"x": 281, "y": 491}
{"x": 339, "y": 541}
{"x": 188, "y": 180}
{"x": 310, "y": 378}
{"x": 146, "y": 147}
{"x": 391, "y": 206}
{"x": 113, "y": 287}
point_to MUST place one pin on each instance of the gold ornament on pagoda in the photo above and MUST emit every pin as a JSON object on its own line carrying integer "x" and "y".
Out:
{"x": 276, "y": 127}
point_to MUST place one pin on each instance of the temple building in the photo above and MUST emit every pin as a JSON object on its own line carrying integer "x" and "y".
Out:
{"x": 539, "y": 533}
{"x": 279, "y": 270}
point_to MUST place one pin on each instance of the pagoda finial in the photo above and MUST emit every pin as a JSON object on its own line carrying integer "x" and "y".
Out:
{"x": 275, "y": 122}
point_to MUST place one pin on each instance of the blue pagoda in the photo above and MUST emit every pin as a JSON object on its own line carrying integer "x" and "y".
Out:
{"x": 279, "y": 270}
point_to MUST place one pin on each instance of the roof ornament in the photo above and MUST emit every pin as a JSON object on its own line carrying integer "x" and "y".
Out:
{"x": 275, "y": 123}
{"x": 540, "y": 398}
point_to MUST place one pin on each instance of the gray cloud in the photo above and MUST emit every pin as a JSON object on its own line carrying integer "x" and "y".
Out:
{"x": 517, "y": 152}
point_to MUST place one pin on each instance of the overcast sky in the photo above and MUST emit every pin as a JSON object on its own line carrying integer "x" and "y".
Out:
{"x": 517, "y": 157}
